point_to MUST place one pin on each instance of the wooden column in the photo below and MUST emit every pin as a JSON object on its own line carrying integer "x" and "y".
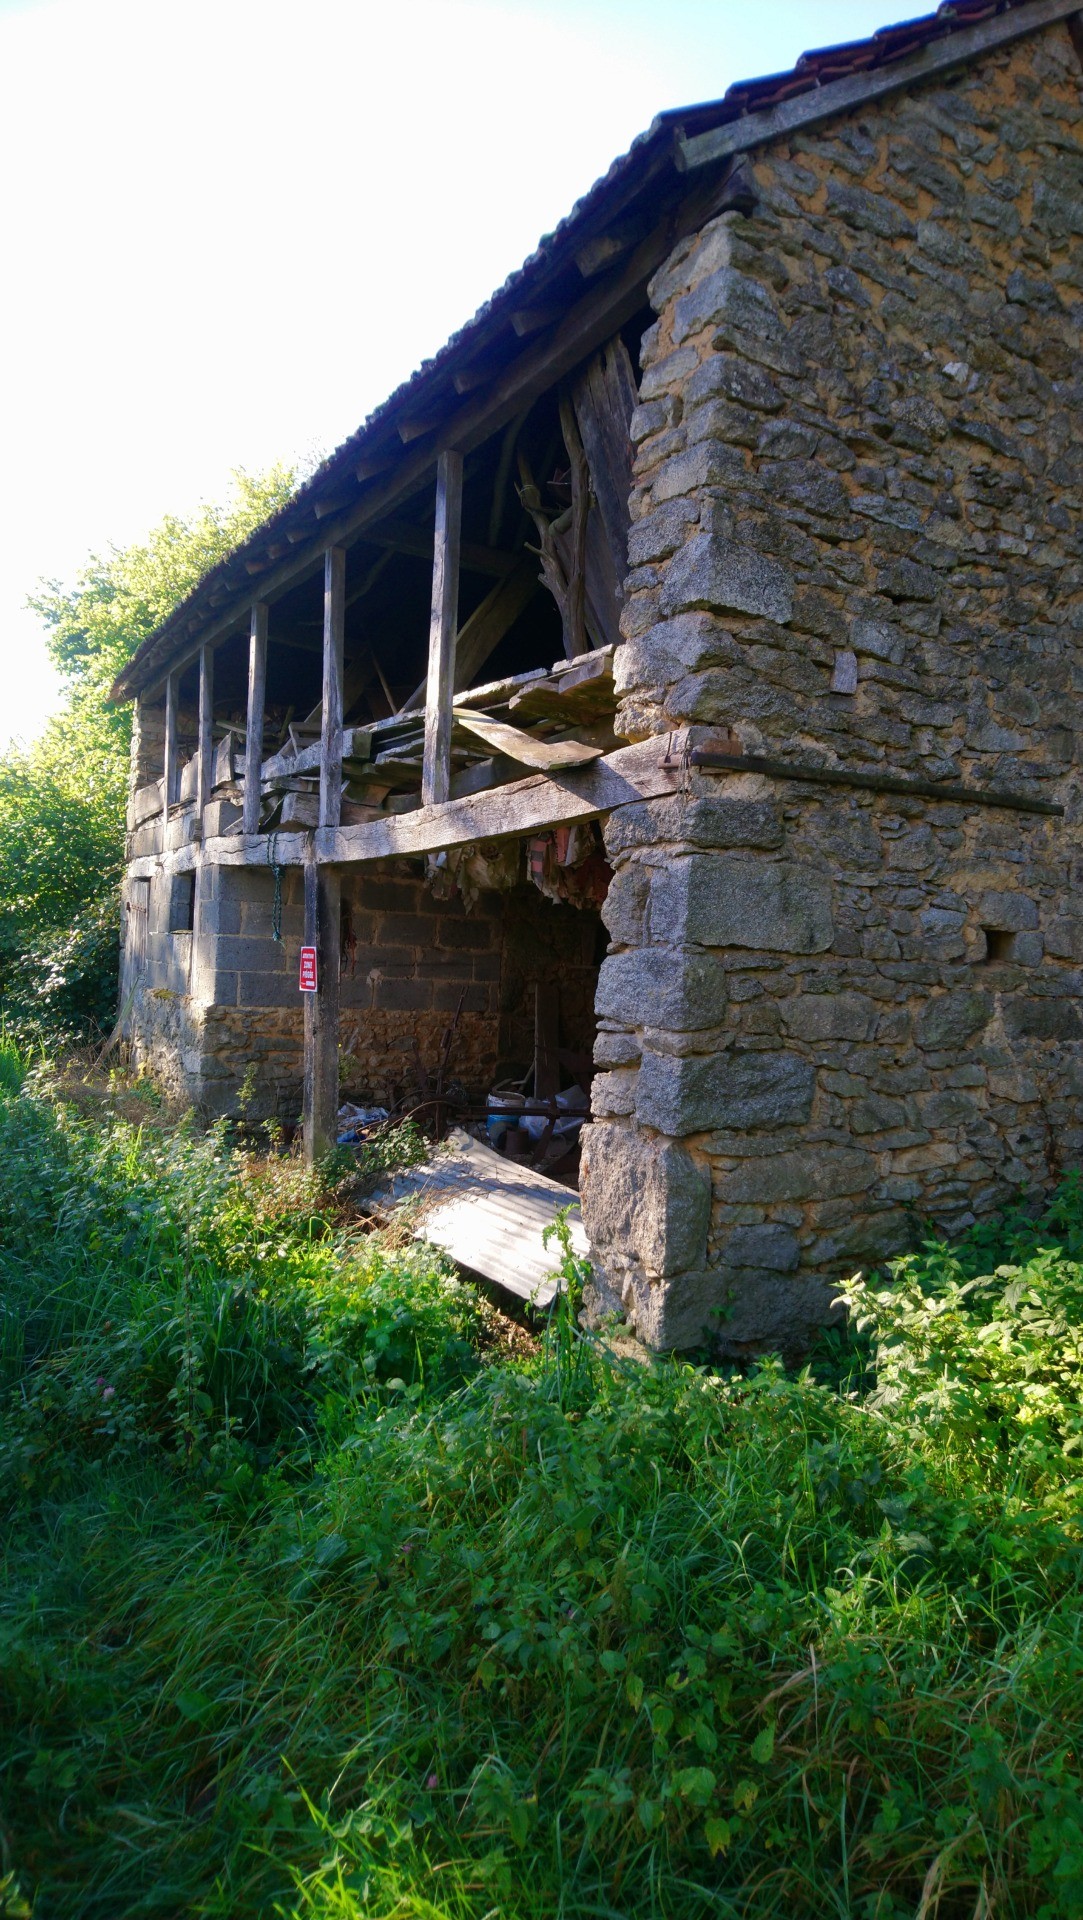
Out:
{"x": 334, "y": 616}
{"x": 169, "y": 756}
{"x": 440, "y": 686}
{"x": 206, "y": 727}
{"x": 323, "y": 908}
{"x": 257, "y": 688}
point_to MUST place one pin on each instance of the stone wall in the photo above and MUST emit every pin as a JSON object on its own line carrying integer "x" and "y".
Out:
{"x": 214, "y": 1002}
{"x": 830, "y": 1014}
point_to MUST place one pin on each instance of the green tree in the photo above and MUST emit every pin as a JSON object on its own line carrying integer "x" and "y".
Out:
{"x": 62, "y": 800}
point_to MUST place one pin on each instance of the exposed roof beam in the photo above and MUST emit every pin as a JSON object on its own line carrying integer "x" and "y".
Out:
{"x": 406, "y": 538}
{"x": 593, "y": 319}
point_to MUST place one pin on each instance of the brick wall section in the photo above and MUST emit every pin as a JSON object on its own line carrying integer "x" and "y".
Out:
{"x": 859, "y": 436}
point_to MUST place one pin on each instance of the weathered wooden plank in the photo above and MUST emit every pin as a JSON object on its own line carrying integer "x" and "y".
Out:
{"x": 323, "y": 910}
{"x": 546, "y": 1039}
{"x": 439, "y": 691}
{"x": 523, "y": 806}
{"x": 528, "y": 748}
{"x": 356, "y": 745}
{"x": 505, "y": 812}
{"x": 144, "y": 805}
{"x": 605, "y": 396}
{"x": 334, "y": 618}
{"x": 838, "y": 96}
{"x": 257, "y": 692}
{"x": 169, "y": 754}
{"x": 206, "y": 727}
{"x": 583, "y": 694}
{"x": 575, "y": 637}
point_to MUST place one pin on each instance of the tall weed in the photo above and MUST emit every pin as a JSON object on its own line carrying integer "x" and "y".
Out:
{"x": 317, "y": 1613}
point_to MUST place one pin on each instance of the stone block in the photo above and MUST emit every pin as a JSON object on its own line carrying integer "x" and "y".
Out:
{"x": 247, "y": 954}
{"x": 693, "y": 259}
{"x": 647, "y": 1196}
{"x": 698, "y": 1093}
{"x": 270, "y": 990}
{"x": 616, "y": 1049}
{"x": 673, "y": 371}
{"x": 781, "y": 906}
{"x": 674, "y": 1315}
{"x": 625, "y": 908}
{"x": 671, "y": 648}
{"x": 951, "y": 1107}
{"x": 1028, "y": 949}
{"x": 726, "y": 375}
{"x": 660, "y": 533}
{"x": 446, "y": 995}
{"x": 402, "y": 996}
{"x": 476, "y": 934}
{"x": 950, "y": 1020}
{"x": 713, "y": 573}
{"x": 1008, "y": 912}
{"x": 613, "y": 1093}
{"x": 763, "y": 1313}
{"x": 675, "y": 989}
{"x": 726, "y": 295}
{"x": 770, "y": 1249}
{"x": 1026, "y": 1019}
{"x": 829, "y": 1016}
{"x": 816, "y": 1172}
{"x": 871, "y": 211}
{"x": 877, "y": 1113}
{"x": 706, "y": 821}
{"x": 1065, "y": 938}
{"x": 700, "y": 466}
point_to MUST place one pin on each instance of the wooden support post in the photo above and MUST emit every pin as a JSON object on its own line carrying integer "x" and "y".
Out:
{"x": 169, "y": 755}
{"x": 206, "y": 727}
{"x": 440, "y": 686}
{"x": 334, "y": 615}
{"x": 257, "y": 689}
{"x": 323, "y": 911}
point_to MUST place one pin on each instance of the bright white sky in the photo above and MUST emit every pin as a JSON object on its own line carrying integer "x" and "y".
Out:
{"x": 231, "y": 227}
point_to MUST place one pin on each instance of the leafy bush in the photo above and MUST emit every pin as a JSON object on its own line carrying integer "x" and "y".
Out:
{"x": 318, "y": 1614}
{"x": 62, "y": 800}
{"x": 979, "y": 1350}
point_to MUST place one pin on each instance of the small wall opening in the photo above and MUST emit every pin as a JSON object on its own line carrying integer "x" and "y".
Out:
{"x": 182, "y": 903}
{"x": 999, "y": 944}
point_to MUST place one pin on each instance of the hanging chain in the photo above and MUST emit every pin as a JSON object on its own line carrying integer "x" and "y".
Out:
{"x": 276, "y": 910}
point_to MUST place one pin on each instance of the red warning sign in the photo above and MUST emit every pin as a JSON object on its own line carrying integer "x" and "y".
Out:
{"x": 307, "y": 981}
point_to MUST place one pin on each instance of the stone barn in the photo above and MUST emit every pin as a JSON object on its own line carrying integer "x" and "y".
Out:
{"x": 676, "y": 689}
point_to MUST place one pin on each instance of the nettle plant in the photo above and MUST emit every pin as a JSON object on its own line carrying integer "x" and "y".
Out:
{"x": 984, "y": 1359}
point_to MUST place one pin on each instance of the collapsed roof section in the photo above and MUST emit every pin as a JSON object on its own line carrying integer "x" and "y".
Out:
{"x": 584, "y": 282}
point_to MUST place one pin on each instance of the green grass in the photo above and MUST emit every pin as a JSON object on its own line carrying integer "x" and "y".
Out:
{"x": 313, "y": 1604}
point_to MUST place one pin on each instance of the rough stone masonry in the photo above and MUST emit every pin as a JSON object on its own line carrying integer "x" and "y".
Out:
{"x": 828, "y": 1013}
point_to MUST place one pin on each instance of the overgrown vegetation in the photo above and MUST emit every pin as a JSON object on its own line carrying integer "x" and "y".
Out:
{"x": 314, "y": 1603}
{"x": 62, "y": 800}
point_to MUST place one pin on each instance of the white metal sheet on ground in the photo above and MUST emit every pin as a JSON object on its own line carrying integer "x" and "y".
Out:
{"x": 489, "y": 1214}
